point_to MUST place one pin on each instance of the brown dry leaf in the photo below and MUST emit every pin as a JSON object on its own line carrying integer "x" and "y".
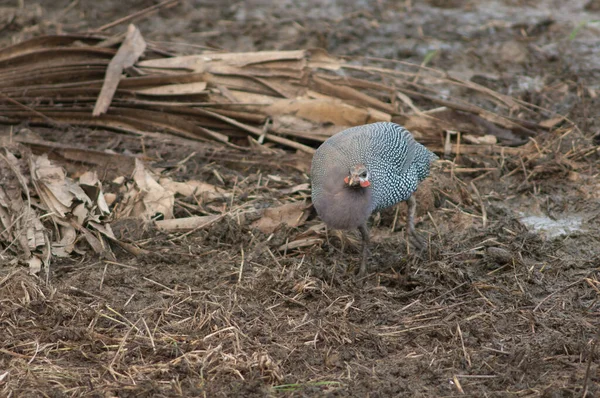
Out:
{"x": 175, "y": 89}
{"x": 299, "y": 125}
{"x": 483, "y": 140}
{"x": 31, "y": 231}
{"x": 5, "y": 219}
{"x": 11, "y": 202}
{"x": 257, "y": 100}
{"x": 35, "y": 265}
{"x": 299, "y": 90}
{"x": 80, "y": 212}
{"x": 193, "y": 188}
{"x": 202, "y": 63}
{"x": 425, "y": 128}
{"x": 131, "y": 49}
{"x": 104, "y": 229}
{"x": 55, "y": 189}
{"x": 120, "y": 163}
{"x": 187, "y": 223}
{"x": 322, "y": 111}
{"x": 110, "y": 198}
{"x": 297, "y": 188}
{"x": 291, "y": 214}
{"x": 338, "y": 90}
{"x": 92, "y": 186}
{"x": 257, "y": 57}
{"x": 149, "y": 197}
{"x": 549, "y": 123}
{"x": 305, "y": 242}
{"x": 19, "y": 222}
{"x": 67, "y": 208}
{"x": 320, "y": 58}
{"x": 96, "y": 244}
{"x": 66, "y": 245}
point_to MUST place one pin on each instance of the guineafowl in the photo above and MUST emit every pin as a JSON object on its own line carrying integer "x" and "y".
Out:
{"x": 365, "y": 169}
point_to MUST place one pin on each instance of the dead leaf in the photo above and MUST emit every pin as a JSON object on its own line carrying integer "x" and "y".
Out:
{"x": 107, "y": 231}
{"x": 483, "y": 140}
{"x": 31, "y": 231}
{"x": 110, "y": 198}
{"x": 187, "y": 223}
{"x": 121, "y": 163}
{"x": 175, "y": 89}
{"x": 35, "y": 265}
{"x": 104, "y": 229}
{"x": 291, "y": 214}
{"x": 154, "y": 198}
{"x": 66, "y": 245}
{"x": 306, "y": 242}
{"x": 549, "y": 123}
{"x": 301, "y": 91}
{"x": 331, "y": 110}
{"x": 297, "y": 188}
{"x": 81, "y": 213}
{"x": 51, "y": 198}
{"x": 338, "y": 90}
{"x": 131, "y": 49}
{"x": 90, "y": 183}
{"x": 56, "y": 190}
{"x": 95, "y": 243}
{"x": 200, "y": 63}
{"x": 193, "y": 188}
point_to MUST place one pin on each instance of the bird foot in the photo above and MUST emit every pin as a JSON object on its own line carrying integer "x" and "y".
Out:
{"x": 418, "y": 241}
{"x": 362, "y": 271}
{"x": 364, "y": 232}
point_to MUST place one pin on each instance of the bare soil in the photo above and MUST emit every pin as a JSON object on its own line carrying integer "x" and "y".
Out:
{"x": 494, "y": 307}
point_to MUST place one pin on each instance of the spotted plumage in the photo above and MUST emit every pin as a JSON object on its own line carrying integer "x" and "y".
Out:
{"x": 391, "y": 163}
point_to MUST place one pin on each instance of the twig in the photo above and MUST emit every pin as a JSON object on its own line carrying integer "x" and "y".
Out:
{"x": 462, "y": 343}
{"x": 158, "y": 284}
{"x": 589, "y": 364}
{"x": 395, "y": 218}
{"x": 121, "y": 350}
{"x": 559, "y": 291}
{"x": 241, "y": 272}
{"x": 150, "y": 336}
{"x": 437, "y": 230}
{"x": 257, "y": 132}
{"x": 86, "y": 293}
{"x": 103, "y": 275}
{"x": 457, "y": 384}
{"x": 48, "y": 120}
{"x": 144, "y": 12}
{"x": 483, "y": 211}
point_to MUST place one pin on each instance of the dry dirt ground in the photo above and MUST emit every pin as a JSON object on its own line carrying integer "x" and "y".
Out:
{"x": 494, "y": 309}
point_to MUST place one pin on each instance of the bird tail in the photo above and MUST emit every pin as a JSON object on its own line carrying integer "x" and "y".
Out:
{"x": 433, "y": 157}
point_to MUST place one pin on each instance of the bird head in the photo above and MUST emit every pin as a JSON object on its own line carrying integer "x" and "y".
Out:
{"x": 358, "y": 176}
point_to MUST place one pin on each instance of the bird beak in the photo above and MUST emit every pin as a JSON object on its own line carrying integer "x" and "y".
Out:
{"x": 350, "y": 181}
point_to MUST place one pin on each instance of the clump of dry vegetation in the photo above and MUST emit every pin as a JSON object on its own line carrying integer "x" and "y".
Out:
{"x": 161, "y": 205}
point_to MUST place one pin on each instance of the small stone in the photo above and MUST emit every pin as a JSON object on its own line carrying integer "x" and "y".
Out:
{"x": 513, "y": 52}
{"x": 499, "y": 255}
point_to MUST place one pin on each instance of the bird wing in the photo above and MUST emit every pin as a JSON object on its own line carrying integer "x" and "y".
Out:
{"x": 410, "y": 152}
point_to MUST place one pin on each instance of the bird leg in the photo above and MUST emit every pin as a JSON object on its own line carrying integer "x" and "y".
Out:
{"x": 364, "y": 233}
{"x": 417, "y": 240}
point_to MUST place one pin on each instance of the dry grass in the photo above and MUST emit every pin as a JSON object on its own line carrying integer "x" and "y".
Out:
{"x": 222, "y": 312}
{"x": 226, "y": 309}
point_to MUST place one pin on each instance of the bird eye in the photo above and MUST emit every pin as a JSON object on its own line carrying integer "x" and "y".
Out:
{"x": 363, "y": 174}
